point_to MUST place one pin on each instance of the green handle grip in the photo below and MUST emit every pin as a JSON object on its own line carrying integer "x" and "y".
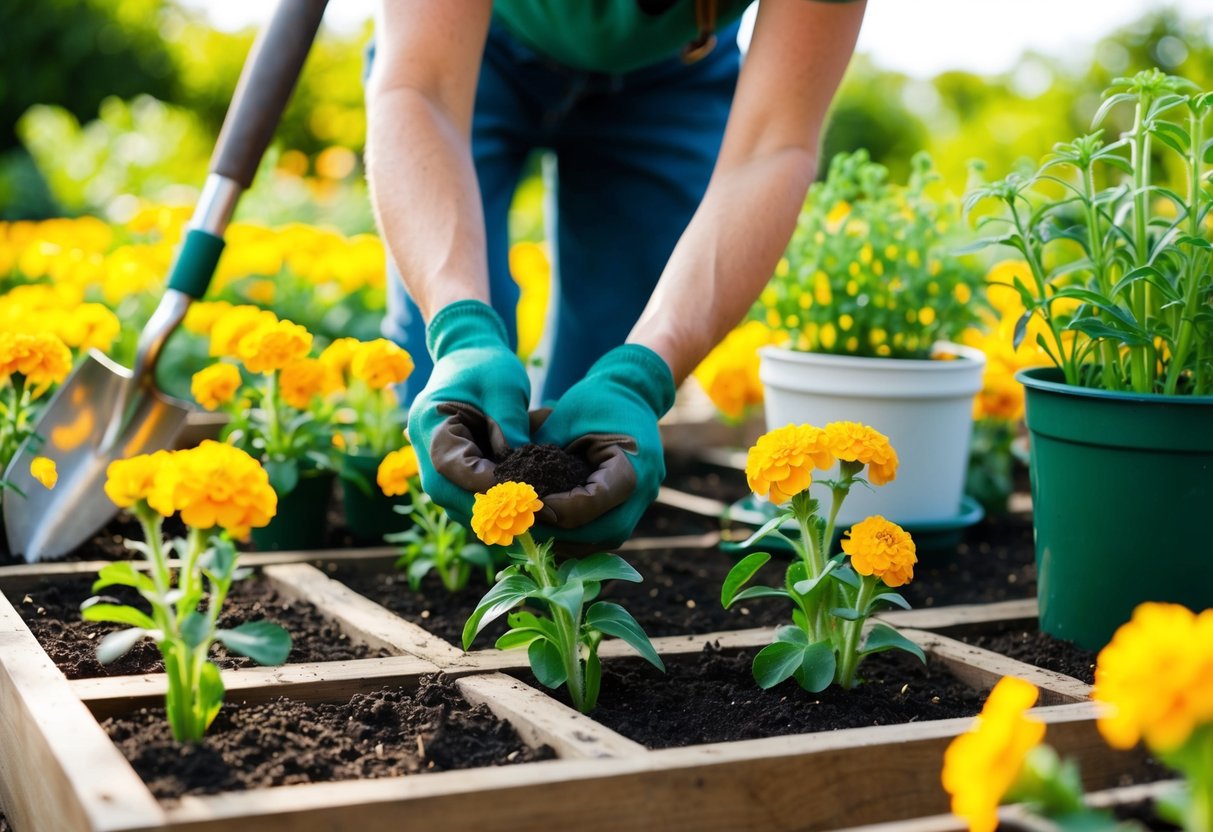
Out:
{"x": 196, "y": 263}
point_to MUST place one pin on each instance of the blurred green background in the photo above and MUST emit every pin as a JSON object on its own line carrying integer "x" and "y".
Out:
{"x": 106, "y": 103}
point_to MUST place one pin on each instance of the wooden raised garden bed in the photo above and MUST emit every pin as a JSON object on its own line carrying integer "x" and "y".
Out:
{"x": 60, "y": 771}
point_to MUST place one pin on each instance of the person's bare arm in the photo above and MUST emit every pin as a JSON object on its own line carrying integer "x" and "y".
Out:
{"x": 419, "y": 162}
{"x": 767, "y": 161}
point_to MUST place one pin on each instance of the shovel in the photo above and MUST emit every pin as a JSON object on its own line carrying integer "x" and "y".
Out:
{"x": 104, "y": 411}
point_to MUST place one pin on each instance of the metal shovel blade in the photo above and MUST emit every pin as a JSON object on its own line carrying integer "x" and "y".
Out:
{"x": 48, "y": 523}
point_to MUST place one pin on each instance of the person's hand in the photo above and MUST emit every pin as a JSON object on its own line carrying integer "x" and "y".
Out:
{"x": 472, "y": 410}
{"x": 610, "y": 419}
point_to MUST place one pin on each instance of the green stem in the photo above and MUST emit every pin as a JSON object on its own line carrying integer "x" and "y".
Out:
{"x": 1108, "y": 357}
{"x": 1140, "y": 356}
{"x": 1196, "y": 262}
{"x": 1036, "y": 267}
{"x": 852, "y": 631}
{"x": 152, "y": 524}
{"x": 566, "y": 628}
{"x": 814, "y": 563}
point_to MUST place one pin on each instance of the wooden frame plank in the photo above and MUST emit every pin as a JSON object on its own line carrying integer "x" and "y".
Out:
{"x": 541, "y": 720}
{"x": 1019, "y": 611}
{"x": 59, "y": 772}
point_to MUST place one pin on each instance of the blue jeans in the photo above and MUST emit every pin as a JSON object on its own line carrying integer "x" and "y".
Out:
{"x": 634, "y": 153}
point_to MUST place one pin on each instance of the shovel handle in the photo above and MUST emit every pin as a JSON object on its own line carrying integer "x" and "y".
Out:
{"x": 265, "y": 85}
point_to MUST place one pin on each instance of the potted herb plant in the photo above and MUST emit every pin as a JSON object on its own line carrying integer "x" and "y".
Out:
{"x": 278, "y": 414}
{"x": 1118, "y": 294}
{"x": 867, "y": 298}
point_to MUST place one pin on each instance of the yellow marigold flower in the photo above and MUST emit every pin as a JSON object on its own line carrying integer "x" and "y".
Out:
{"x": 881, "y": 548}
{"x": 1156, "y": 677}
{"x": 272, "y": 347}
{"x": 338, "y": 355}
{"x": 302, "y": 380}
{"x": 982, "y": 765}
{"x": 215, "y": 385}
{"x": 202, "y": 316}
{"x": 41, "y": 359}
{"x": 380, "y": 363}
{"x": 215, "y": 484}
{"x": 853, "y": 442}
{"x": 1001, "y": 396}
{"x": 781, "y": 463}
{"x": 44, "y": 471}
{"x": 504, "y": 511}
{"x": 396, "y": 470}
{"x": 89, "y": 326}
{"x": 235, "y": 323}
{"x": 127, "y": 481}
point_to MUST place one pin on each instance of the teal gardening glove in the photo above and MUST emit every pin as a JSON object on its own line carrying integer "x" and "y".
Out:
{"x": 610, "y": 419}
{"x": 472, "y": 410}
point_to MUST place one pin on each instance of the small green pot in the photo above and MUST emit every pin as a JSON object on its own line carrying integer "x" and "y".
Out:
{"x": 1121, "y": 487}
{"x": 302, "y": 518}
{"x": 369, "y": 513}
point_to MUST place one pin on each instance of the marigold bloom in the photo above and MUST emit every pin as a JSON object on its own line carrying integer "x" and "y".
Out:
{"x": 215, "y": 385}
{"x": 235, "y": 323}
{"x": 729, "y": 373}
{"x": 396, "y": 470}
{"x": 273, "y": 346}
{"x": 337, "y": 357}
{"x": 881, "y": 548}
{"x": 202, "y": 316}
{"x": 215, "y": 484}
{"x": 44, "y": 471}
{"x": 504, "y": 511}
{"x": 127, "y": 481}
{"x": 89, "y": 326}
{"x": 781, "y": 463}
{"x": 982, "y": 765}
{"x": 302, "y": 380}
{"x": 1156, "y": 677}
{"x": 41, "y": 359}
{"x": 853, "y": 442}
{"x": 381, "y": 362}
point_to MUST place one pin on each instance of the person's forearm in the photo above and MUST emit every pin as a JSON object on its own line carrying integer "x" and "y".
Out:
{"x": 426, "y": 198}
{"x": 725, "y": 256}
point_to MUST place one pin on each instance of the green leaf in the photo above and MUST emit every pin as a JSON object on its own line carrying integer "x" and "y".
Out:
{"x": 883, "y": 637}
{"x": 567, "y": 596}
{"x": 219, "y": 560}
{"x": 791, "y": 635}
{"x": 614, "y": 620}
{"x": 776, "y": 663}
{"x": 846, "y": 574}
{"x": 508, "y": 593}
{"x": 894, "y": 598}
{"x": 262, "y": 641}
{"x": 195, "y": 629}
{"x": 805, "y": 587}
{"x": 547, "y": 663}
{"x": 761, "y": 592}
{"x": 845, "y": 613}
{"x": 117, "y": 644}
{"x": 603, "y": 566}
{"x": 478, "y": 554}
{"x": 765, "y": 529}
{"x": 741, "y": 572}
{"x": 284, "y": 475}
{"x": 417, "y": 570}
{"x": 818, "y": 665}
{"x": 94, "y": 610}
{"x": 123, "y": 573}
{"x": 517, "y": 638}
{"x": 593, "y": 679}
{"x": 210, "y": 693}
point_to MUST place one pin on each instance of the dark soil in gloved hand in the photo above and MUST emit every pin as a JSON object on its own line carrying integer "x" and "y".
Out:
{"x": 546, "y": 468}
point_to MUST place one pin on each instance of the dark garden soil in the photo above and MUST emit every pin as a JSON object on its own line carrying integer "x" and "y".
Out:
{"x": 386, "y": 733}
{"x": 1031, "y": 646}
{"x": 712, "y": 697}
{"x": 996, "y": 561}
{"x": 546, "y": 468}
{"x": 52, "y": 611}
{"x": 1143, "y": 813}
{"x": 705, "y": 479}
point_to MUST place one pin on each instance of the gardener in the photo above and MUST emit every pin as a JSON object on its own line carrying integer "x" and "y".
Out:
{"x": 668, "y": 223}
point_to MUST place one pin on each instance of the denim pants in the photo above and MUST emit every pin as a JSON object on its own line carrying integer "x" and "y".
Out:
{"x": 634, "y": 153}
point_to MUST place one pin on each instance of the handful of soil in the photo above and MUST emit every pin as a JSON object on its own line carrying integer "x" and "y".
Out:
{"x": 546, "y": 468}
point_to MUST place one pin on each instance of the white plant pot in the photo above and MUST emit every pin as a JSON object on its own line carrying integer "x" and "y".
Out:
{"x": 924, "y": 406}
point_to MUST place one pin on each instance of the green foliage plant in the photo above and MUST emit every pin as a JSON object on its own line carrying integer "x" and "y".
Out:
{"x": 437, "y": 543}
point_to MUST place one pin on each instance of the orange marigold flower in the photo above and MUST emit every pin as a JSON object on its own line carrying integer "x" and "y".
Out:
{"x": 396, "y": 470}
{"x": 215, "y": 484}
{"x": 302, "y": 380}
{"x": 380, "y": 363}
{"x": 981, "y": 766}
{"x": 273, "y": 346}
{"x": 853, "y": 442}
{"x": 44, "y": 471}
{"x": 504, "y": 511}
{"x": 781, "y": 463}
{"x": 1156, "y": 677}
{"x": 215, "y": 385}
{"x": 235, "y": 323}
{"x": 881, "y": 548}
{"x": 42, "y": 359}
{"x": 127, "y": 481}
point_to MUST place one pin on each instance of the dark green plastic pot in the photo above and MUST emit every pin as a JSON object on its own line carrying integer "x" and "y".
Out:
{"x": 369, "y": 513}
{"x": 302, "y": 518}
{"x": 1122, "y": 486}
